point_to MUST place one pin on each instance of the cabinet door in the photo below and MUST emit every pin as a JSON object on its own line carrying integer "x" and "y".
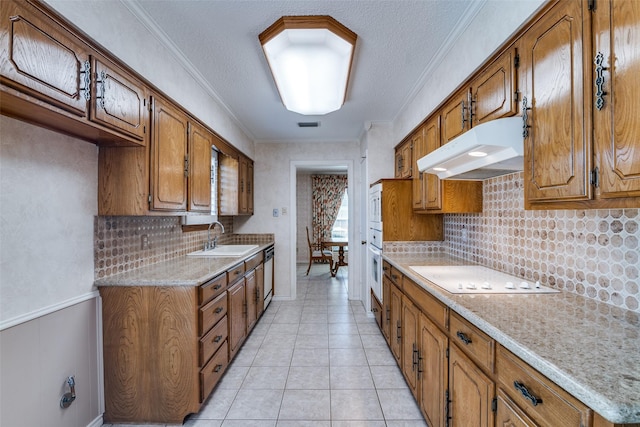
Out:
{"x": 251, "y": 286}
{"x": 386, "y": 307}
{"x": 410, "y": 351}
{"x": 419, "y": 150}
{"x": 494, "y": 90}
{"x": 396, "y": 323}
{"x": 118, "y": 101}
{"x": 455, "y": 116}
{"x": 407, "y": 160}
{"x": 250, "y": 188}
{"x": 242, "y": 185}
{"x": 431, "y": 183}
{"x": 42, "y": 59}
{"x": 433, "y": 370}
{"x": 259, "y": 290}
{"x": 557, "y": 147}
{"x": 237, "y": 317}
{"x": 509, "y": 414}
{"x": 470, "y": 392}
{"x": 169, "y": 158}
{"x": 616, "y": 125}
{"x": 200, "y": 141}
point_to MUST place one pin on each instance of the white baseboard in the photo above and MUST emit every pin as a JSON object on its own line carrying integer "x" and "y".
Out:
{"x": 97, "y": 422}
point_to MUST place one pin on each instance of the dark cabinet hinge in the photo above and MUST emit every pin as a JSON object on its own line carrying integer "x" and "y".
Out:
{"x": 494, "y": 404}
{"x": 447, "y": 353}
{"x": 516, "y": 61}
{"x": 149, "y": 198}
{"x": 595, "y": 177}
{"x": 592, "y": 5}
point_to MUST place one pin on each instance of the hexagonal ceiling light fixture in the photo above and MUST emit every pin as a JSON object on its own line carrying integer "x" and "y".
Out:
{"x": 310, "y": 59}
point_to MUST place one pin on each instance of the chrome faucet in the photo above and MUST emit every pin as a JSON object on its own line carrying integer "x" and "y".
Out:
{"x": 212, "y": 244}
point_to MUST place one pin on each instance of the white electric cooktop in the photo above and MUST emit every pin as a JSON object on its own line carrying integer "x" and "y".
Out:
{"x": 476, "y": 279}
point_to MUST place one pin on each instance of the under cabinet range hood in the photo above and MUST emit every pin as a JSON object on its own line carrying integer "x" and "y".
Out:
{"x": 491, "y": 149}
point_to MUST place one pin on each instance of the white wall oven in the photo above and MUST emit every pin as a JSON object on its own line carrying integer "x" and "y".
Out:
{"x": 374, "y": 250}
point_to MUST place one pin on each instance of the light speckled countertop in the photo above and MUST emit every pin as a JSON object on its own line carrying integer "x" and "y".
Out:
{"x": 590, "y": 349}
{"x": 182, "y": 271}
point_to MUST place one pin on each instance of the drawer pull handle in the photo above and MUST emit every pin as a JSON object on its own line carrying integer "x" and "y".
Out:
{"x": 218, "y": 310}
{"x": 217, "y": 368}
{"x": 464, "y": 338}
{"x": 217, "y": 338}
{"x": 526, "y": 393}
{"x": 216, "y": 287}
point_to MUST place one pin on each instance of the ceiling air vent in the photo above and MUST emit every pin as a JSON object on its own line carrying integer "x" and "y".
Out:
{"x": 308, "y": 124}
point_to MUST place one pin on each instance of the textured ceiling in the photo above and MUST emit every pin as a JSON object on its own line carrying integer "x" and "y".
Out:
{"x": 397, "y": 44}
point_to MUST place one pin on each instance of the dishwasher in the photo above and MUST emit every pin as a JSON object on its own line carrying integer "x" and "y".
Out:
{"x": 268, "y": 275}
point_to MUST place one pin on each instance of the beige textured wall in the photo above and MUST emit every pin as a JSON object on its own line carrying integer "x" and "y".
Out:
{"x": 304, "y": 217}
{"x": 48, "y": 199}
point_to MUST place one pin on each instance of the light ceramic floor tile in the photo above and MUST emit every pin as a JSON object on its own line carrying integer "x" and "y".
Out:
{"x": 387, "y": 377}
{"x": 193, "y": 423}
{"x": 266, "y": 378}
{"x": 312, "y": 341}
{"x": 310, "y": 357}
{"x": 351, "y": 377}
{"x": 245, "y": 356}
{"x": 347, "y": 357}
{"x": 217, "y": 405}
{"x": 301, "y": 423}
{"x": 345, "y": 341}
{"x": 249, "y": 423}
{"x": 355, "y": 405}
{"x": 381, "y": 356}
{"x": 406, "y": 423}
{"x": 273, "y": 356}
{"x": 232, "y": 379}
{"x": 358, "y": 423}
{"x": 343, "y": 328}
{"x": 376, "y": 341}
{"x": 305, "y": 405}
{"x": 399, "y": 404}
{"x": 313, "y": 329}
{"x": 368, "y": 328}
{"x": 308, "y": 378}
{"x": 255, "y": 405}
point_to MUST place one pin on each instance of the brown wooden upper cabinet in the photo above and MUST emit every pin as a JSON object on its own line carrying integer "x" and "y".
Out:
{"x": 236, "y": 184}
{"x": 494, "y": 90}
{"x": 404, "y": 159}
{"x": 455, "y": 115}
{"x": 199, "y": 183}
{"x": 616, "y": 59}
{"x": 555, "y": 122}
{"x": 51, "y": 77}
{"x": 573, "y": 161}
{"x": 169, "y": 160}
{"x": 245, "y": 184}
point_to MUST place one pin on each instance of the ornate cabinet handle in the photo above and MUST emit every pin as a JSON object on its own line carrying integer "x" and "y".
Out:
{"x": 599, "y": 81}
{"x": 86, "y": 79}
{"x": 464, "y": 338}
{"x": 526, "y": 393}
{"x": 463, "y": 119}
{"x": 525, "y": 117}
{"x": 103, "y": 77}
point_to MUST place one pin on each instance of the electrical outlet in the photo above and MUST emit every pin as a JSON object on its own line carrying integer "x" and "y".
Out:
{"x": 144, "y": 241}
{"x": 275, "y": 213}
{"x": 284, "y": 210}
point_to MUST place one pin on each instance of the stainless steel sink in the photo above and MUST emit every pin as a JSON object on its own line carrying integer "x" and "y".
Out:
{"x": 225, "y": 250}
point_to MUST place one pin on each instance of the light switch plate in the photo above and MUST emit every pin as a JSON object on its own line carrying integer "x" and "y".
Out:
{"x": 275, "y": 213}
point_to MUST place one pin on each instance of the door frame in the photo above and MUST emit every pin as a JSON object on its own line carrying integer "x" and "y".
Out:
{"x": 354, "y": 250}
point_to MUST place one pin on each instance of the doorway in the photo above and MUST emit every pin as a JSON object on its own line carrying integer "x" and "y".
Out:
{"x": 326, "y": 167}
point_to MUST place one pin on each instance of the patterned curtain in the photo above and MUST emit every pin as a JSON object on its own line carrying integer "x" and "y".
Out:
{"x": 326, "y": 192}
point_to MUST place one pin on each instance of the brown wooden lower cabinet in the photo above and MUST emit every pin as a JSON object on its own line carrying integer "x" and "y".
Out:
{"x": 166, "y": 347}
{"x": 470, "y": 392}
{"x": 462, "y": 377}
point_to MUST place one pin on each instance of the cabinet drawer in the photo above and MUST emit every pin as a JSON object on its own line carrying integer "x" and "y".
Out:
{"x": 386, "y": 269}
{"x": 211, "y": 313}
{"x": 396, "y": 276}
{"x": 213, "y": 340}
{"x": 212, "y": 372}
{"x": 254, "y": 261}
{"x": 475, "y": 343}
{"x": 542, "y": 400}
{"x": 212, "y": 289}
{"x": 427, "y": 303}
{"x": 376, "y": 308}
{"x": 235, "y": 273}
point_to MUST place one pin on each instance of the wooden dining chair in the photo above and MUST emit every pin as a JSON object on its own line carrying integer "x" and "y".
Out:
{"x": 318, "y": 253}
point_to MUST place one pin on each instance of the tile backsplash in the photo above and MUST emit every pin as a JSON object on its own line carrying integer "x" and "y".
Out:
{"x": 123, "y": 243}
{"x": 593, "y": 253}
